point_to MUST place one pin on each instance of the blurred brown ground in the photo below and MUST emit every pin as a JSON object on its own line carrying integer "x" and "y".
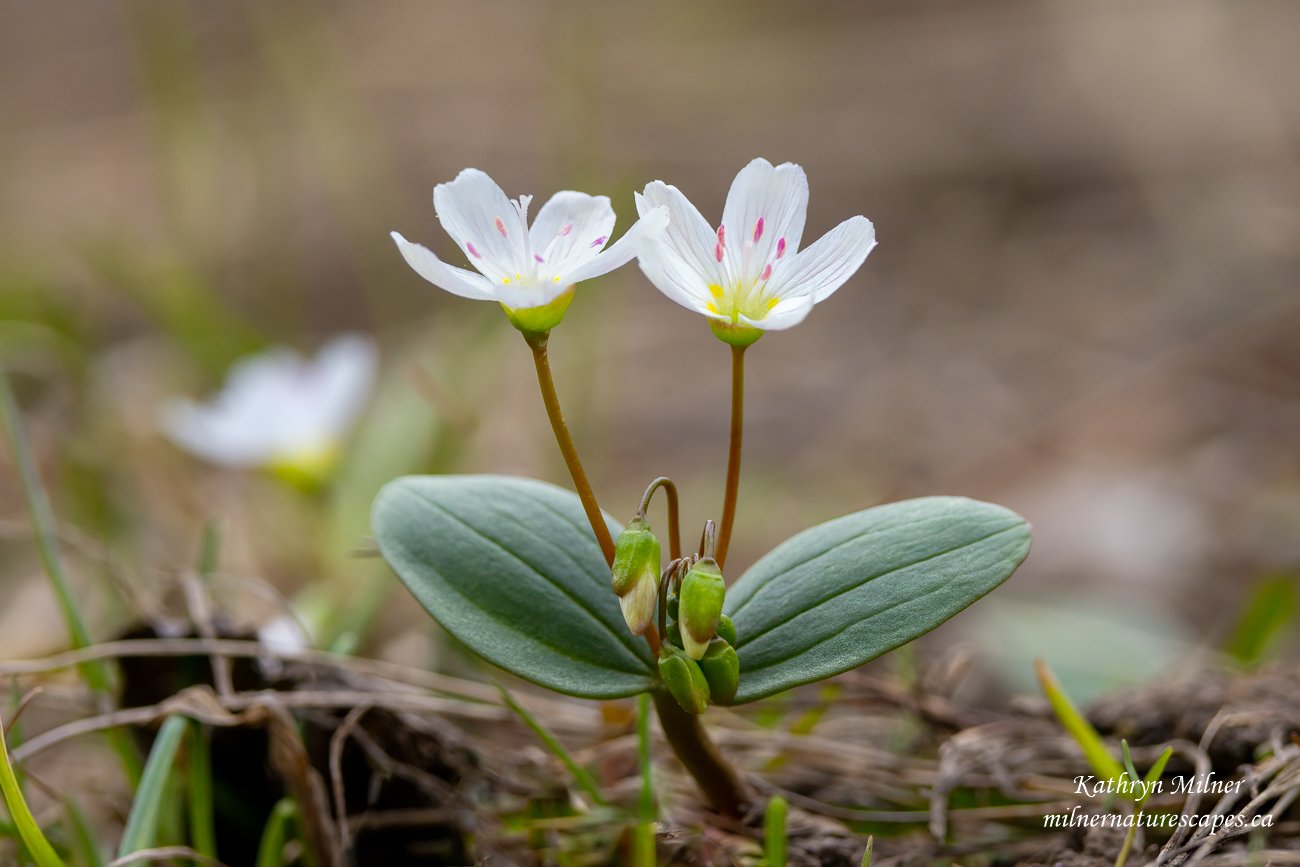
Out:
{"x": 1084, "y": 305}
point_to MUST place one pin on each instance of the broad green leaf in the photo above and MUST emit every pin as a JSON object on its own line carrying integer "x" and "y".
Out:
{"x": 511, "y": 568}
{"x": 844, "y": 592}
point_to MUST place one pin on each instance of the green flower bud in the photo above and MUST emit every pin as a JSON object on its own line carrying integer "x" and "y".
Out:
{"x": 727, "y": 630}
{"x": 674, "y": 633}
{"x": 684, "y": 680}
{"x": 701, "y": 605}
{"x": 673, "y": 605}
{"x": 721, "y": 669}
{"x": 635, "y": 574}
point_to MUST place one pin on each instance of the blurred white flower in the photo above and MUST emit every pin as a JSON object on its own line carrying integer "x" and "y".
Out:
{"x": 279, "y": 410}
{"x": 749, "y": 275}
{"x": 531, "y": 272}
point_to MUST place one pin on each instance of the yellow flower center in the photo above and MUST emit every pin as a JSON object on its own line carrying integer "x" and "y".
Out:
{"x": 741, "y": 300}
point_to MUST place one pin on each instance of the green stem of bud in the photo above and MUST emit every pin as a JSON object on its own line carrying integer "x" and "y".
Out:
{"x": 733, "y": 453}
{"x": 665, "y": 579}
{"x": 723, "y": 787}
{"x": 674, "y": 521}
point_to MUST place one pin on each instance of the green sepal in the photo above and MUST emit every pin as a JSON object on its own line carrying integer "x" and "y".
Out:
{"x": 540, "y": 320}
{"x": 684, "y": 680}
{"x": 702, "y": 595}
{"x": 734, "y": 333}
{"x": 721, "y": 667}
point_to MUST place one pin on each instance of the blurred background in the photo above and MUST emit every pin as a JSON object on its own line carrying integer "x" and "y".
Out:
{"x": 1084, "y": 304}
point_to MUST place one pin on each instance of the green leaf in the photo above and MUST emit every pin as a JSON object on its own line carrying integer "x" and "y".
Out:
{"x": 844, "y": 592}
{"x": 511, "y": 568}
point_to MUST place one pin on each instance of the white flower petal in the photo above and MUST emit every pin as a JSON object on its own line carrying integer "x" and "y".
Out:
{"x": 489, "y": 227}
{"x": 217, "y": 437}
{"x": 570, "y": 229}
{"x": 689, "y": 239}
{"x": 522, "y": 296}
{"x": 277, "y": 406}
{"x": 642, "y": 232}
{"x": 344, "y": 371}
{"x": 678, "y": 283}
{"x": 827, "y": 263}
{"x": 764, "y": 215}
{"x": 457, "y": 281}
{"x": 787, "y": 313}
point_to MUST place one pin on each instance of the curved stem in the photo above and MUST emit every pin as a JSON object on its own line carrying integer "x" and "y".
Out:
{"x": 537, "y": 342}
{"x": 723, "y": 787}
{"x": 733, "y": 453}
{"x": 674, "y": 519}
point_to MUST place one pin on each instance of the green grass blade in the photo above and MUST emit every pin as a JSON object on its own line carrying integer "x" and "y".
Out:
{"x": 1271, "y": 607}
{"x": 96, "y": 674}
{"x": 151, "y": 796}
{"x": 643, "y": 834}
{"x": 774, "y": 848}
{"x": 270, "y": 852}
{"x": 1128, "y": 761}
{"x": 85, "y": 845}
{"x": 866, "y": 856}
{"x": 203, "y": 833}
{"x": 579, "y": 773}
{"x": 25, "y": 823}
{"x": 1154, "y": 774}
{"x": 209, "y": 549}
{"x": 42, "y": 518}
{"x": 1094, "y": 749}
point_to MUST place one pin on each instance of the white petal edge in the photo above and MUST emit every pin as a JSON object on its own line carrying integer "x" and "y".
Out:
{"x": 206, "y": 433}
{"x": 689, "y": 236}
{"x": 826, "y": 264}
{"x": 787, "y": 313}
{"x": 589, "y": 220}
{"x": 678, "y": 288}
{"x": 778, "y": 195}
{"x": 646, "y": 230}
{"x": 457, "y": 281}
{"x": 468, "y": 208}
{"x": 345, "y": 368}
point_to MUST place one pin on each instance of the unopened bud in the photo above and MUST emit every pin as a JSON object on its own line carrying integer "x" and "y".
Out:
{"x": 635, "y": 574}
{"x": 727, "y": 630}
{"x": 721, "y": 668}
{"x": 701, "y": 606}
{"x": 684, "y": 680}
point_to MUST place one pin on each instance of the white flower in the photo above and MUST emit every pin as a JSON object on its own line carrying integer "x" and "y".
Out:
{"x": 749, "y": 275}
{"x": 279, "y": 410}
{"x": 531, "y": 272}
